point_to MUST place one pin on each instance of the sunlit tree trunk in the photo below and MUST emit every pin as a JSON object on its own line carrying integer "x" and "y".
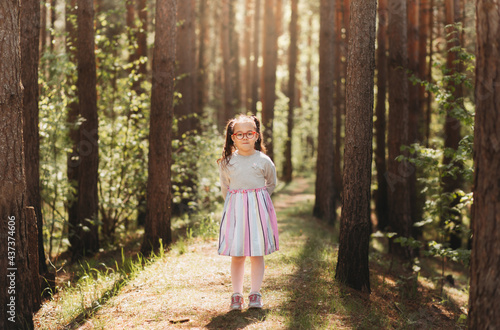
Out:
{"x": 16, "y": 304}
{"x": 429, "y": 74}
{"x": 381, "y": 206}
{"x": 84, "y": 237}
{"x": 202, "y": 74}
{"x": 324, "y": 206}
{"x": 229, "y": 88}
{"x": 270, "y": 61}
{"x": 256, "y": 55}
{"x": 355, "y": 225}
{"x": 484, "y": 309}
{"x": 234, "y": 50}
{"x": 292, "y": 67}
{"x": 246, "y": 85}
{"x": 160, "y": 137}
{"x": 186, "y": 67}
{"x": 398, "y": 172}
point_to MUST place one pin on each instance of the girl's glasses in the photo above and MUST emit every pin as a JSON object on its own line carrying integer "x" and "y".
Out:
{"x": 249, "y": 135}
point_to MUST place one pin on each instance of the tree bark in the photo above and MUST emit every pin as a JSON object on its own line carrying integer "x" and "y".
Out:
{"x": 484, "y": 310}
{"x": 16, "y": 268}
{"x": 452, "y": 125}
{"x": 202, "y": 74}
{"x": 339, "y": 100}
{"x": 142, "y": 35}
{"x": 186, "y": 68}
{"x": 256, "y": 55}
{"x": 381, "y": 203}
{"x": 324, "y": 206}
{"x": 84, "y": 236}
{"x": 229, "y": 99}
{"x": 292, "y": 67}
{"x": 398, "y": 172}
{"x": 423, "y": 35}
{"x": 246, "y": 84}
{"x": 159, "y": 189}
{"x": 30, "y": 39}
{"x": 234, "y": 50}
{"x": 355, "y": 225}
{"x": 270, "y": 61}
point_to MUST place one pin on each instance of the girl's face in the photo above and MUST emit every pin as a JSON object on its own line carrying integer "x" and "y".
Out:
{"x": 244, "y": 138}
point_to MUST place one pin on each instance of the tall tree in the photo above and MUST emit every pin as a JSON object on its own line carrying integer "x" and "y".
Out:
{"x": 30, "y": 39}
{"x": 292, "y": 67}
{"x": 84, "y": 236}
{"x": 423, "y": 35}
{"x": 256, "y": 55}
{"x": 229, "y": 88}
{"x": 202, "y": 74}
{"x": 270, "y": 62}
{"x": 452, "y": 125}
{"x": 234, "y": 50}
{"x": 72, "y": 160}
{"x": 381, "y": 206}
{"x": 484, "y": 309}
{"x": 398, "y": 172}
{"x": 339, "y": 100}
{"x": 324, "y": 205}
{"x": 247, "y": 52}
{"x": 355, "y": 225}
{"x": 186, "y": 67}
{"x": 160, "y": 146}
{"x": 142, "y": 35}
{"x": 16, "y": 306}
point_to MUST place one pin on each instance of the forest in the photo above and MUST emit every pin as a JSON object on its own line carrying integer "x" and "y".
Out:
{"x": 381, "y": 118}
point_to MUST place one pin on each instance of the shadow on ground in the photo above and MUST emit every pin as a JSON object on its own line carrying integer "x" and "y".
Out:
{"x": 238, "y": 319}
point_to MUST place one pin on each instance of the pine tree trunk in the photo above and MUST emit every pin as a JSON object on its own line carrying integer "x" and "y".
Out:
{"x": 202, "y": 74}
{"x": 256, "y": 55}
{"x": 234, "y": 51}
{"x": 160, "y": 137}
{"x": 72, "y": 159}
{"x": 16, "y": 300}
{"x": 398, "y": 172}
{"x": 324, "y": 206}
{"x": 30, "y": 38}
{"x": 186, "y": 67}
{"x": 246, "y": 89}
{"x": 229, "y": 99}
{"x": 484, "y": 309}
{"x": 142, "y": 35}
{"x": 423, "y": 35}
{"x": 292, "y": 67}
{"x": 381, "y": 203}
{"x": 270, "y": 61}
{"x": 452, "y": 125}
{"x": 339, "y": 99}
{"x": 355, "y": 224}
{"x": 84, "y": 237}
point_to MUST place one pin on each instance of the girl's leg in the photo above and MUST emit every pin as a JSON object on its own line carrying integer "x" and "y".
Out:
{"x": 237, "y": 272}
{"x": 257, "y": 273}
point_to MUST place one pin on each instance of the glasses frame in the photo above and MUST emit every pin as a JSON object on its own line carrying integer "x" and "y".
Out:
{"x": 243, "y": 135}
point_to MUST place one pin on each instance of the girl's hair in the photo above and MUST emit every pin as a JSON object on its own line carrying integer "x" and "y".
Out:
{"x": 229, "y": 147}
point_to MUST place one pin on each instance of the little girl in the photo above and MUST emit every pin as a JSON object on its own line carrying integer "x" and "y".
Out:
{"x": 248, "y": 226}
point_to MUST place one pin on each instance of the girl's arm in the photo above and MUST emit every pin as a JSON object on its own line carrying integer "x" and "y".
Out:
{"x": 270, "y": 176}
{"x": 224, "y": 181}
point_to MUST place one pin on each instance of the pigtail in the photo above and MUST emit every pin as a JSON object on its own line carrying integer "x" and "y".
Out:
{"x": 259, "y": 144}
{"x": 227, "y": 150}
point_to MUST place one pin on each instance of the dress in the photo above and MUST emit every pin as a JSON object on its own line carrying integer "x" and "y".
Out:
{"x": 249, "y": 226}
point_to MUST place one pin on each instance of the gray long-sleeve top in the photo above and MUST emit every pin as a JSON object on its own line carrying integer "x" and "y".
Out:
{"x": 248, "y": 172}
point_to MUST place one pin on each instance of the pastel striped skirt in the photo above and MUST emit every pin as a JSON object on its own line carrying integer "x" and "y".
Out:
{"x": 248, "y": 226}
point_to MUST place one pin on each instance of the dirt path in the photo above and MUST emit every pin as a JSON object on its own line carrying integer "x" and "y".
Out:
{"x": 192, "y": 290}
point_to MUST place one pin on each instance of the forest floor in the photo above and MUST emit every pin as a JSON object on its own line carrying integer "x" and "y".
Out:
{"x": 190, "y": 287}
